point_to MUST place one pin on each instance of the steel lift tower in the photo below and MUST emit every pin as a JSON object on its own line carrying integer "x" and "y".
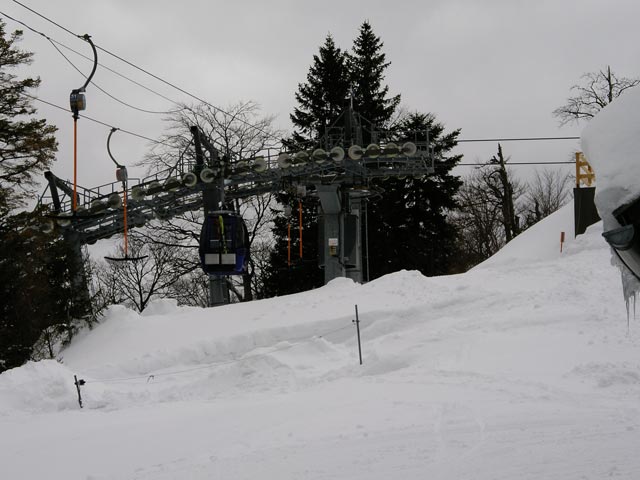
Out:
{"x": 337, "y": 172}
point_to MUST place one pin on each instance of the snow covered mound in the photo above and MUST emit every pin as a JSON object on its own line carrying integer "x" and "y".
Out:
{"x": 37, "y": 387}
{"x": 611, "y": 143}
{"x": 538, "y": 243}
{"x": 520, "y": 368}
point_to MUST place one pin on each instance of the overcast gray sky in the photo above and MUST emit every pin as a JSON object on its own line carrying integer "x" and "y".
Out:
{"x": 494, "y": 68}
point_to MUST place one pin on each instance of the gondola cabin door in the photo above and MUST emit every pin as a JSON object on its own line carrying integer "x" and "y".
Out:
{"x": 224, "y": 244}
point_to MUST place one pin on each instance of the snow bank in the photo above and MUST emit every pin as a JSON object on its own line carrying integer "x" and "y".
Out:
{"x": 540, "y": 242}
{"x": 45, "y": 386}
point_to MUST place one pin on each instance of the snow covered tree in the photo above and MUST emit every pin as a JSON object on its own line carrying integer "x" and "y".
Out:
{"x": 596, "y": 91}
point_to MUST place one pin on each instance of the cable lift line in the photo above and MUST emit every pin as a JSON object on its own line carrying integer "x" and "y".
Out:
{"x": 160, "y": 79}
{"x": 278, "y": 140}
{"x": 522, "y": 139}
{"x": 167, "y": 112}
{"x": 99, "y": 122}
{"x": 57, "y": 43}
{"x": 122, "y": 176}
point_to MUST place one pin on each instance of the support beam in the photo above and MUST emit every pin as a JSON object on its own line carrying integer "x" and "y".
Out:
{"x": 332, "y": 228}
{"x": 353, "y": 240}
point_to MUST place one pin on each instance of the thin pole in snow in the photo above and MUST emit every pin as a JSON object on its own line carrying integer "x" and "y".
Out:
{"x": 357, "y": 322}
{"x": 78, "y": 384}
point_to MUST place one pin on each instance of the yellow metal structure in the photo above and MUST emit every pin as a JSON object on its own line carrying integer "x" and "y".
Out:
{"x": 584, "y": 173}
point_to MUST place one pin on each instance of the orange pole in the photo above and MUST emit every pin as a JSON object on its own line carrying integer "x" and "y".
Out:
{"x": 74, "y": 201}
{"x": 124, "y": 206}
{"x": 289, "y": 244}
{"x": 300, "y": 224}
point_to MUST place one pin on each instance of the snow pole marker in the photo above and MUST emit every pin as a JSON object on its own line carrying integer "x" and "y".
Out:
{"x": 300, "y": 225}
{"x": 357, "y": 322}
{"x": 78, "y": 384}
{"x": 289, "y": 244}
{"x": 561, "y": 240}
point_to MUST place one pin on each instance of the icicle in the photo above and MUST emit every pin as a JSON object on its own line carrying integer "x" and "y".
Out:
{"x": 626, "y": 304}
{"x": 630, "y": 287}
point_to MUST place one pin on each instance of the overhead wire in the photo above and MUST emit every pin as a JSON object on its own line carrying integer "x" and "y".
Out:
{"x": 55, "y": 43}
{"x": 158, "y": 142}
{"x": 182, "y": 106}
{"x": 160, "y": 79}
{"x": 524, "y": 139}
{"x": 100, "y": 122}
{"x": 168, "y": 112}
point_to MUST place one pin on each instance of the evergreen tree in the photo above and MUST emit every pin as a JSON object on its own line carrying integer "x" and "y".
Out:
{"x": 409, "y": 227}
{"x": 37, "y": 294}
{"x": 322, "y": 98}
{"x": 300, "y": 273}
{"x": 38, "y": 291}
{"x": 367, "y": 64}
{"x": 27, "y": 145}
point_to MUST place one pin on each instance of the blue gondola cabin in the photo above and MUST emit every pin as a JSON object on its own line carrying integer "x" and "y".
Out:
{"x": 224, "y": 244}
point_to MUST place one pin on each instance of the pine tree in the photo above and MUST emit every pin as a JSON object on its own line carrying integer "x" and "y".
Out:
{"x": 27, "y": 145}
{"x": 409, "y": 228}
{"x": 36, "y": 269}
{"x": 322, "y": 98}
{"x": 366, "y": 70}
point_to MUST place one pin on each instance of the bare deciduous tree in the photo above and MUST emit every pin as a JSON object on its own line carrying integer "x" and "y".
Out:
{"x": 596, "y": 91}
{"x": 478, "y": 221}
{"x": 136, "y": 283}
{"x": 503, "y": 190}
{"x": 490, "y": 210}
{"x": 239, "y": 132}
{"x": 547, "y": 192}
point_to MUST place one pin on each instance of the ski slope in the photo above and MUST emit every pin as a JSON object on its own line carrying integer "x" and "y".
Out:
{"x": 522, "y": 368}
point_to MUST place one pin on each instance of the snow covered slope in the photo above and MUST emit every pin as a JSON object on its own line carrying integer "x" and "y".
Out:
{"x": 522, "y": 368}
